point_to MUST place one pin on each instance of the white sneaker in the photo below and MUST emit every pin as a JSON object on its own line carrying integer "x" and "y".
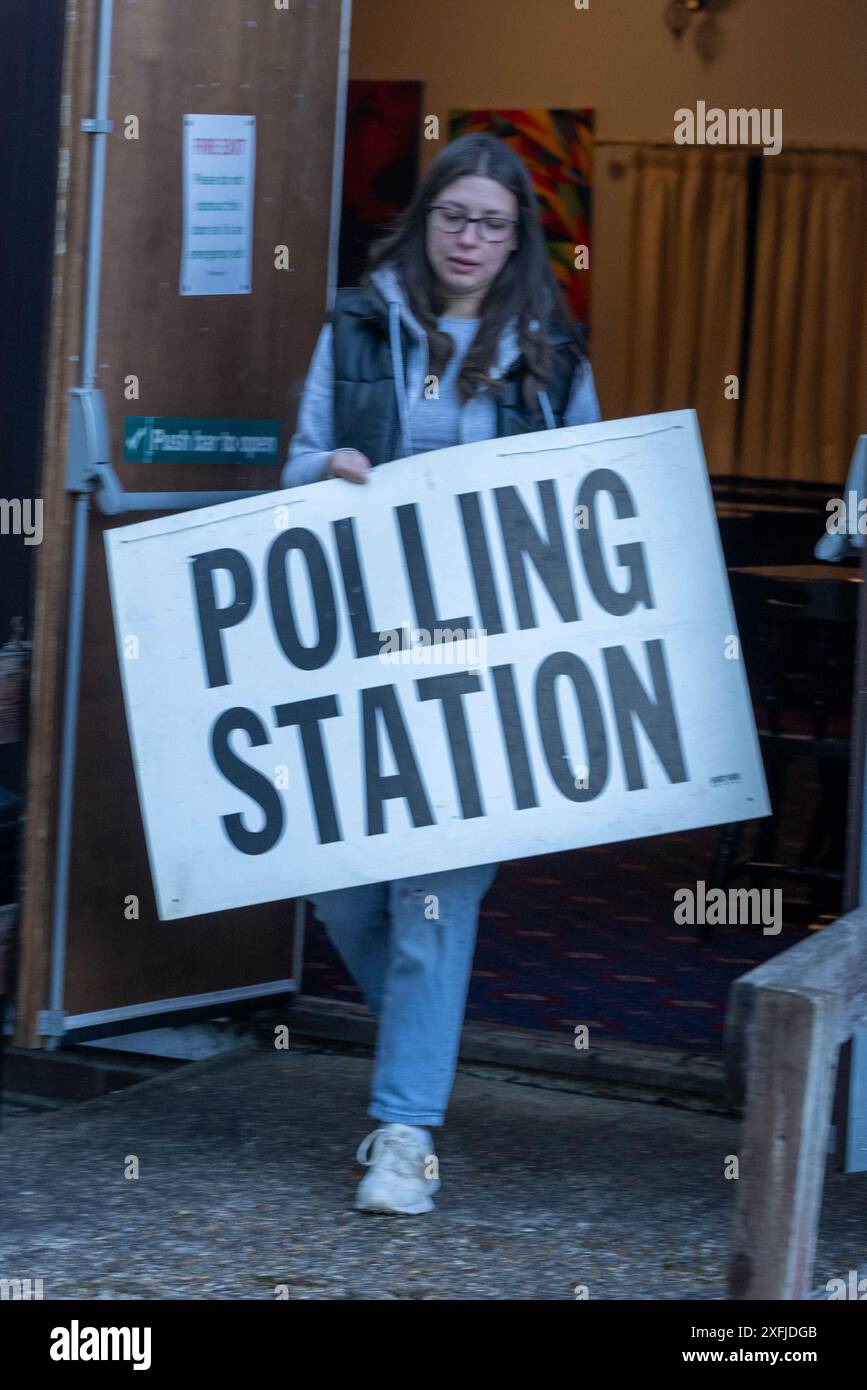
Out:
{"x": 396, "y": 1181}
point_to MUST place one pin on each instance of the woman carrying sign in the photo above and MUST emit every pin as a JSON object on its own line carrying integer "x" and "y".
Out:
{"x": 459, "y": 293}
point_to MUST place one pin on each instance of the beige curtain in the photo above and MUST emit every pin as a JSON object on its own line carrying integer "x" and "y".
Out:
{"x": 806, "y": 388}
{"x": 686, "y": 277}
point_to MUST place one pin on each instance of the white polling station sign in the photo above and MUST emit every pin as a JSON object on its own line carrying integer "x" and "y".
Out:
{"x": 486, "y": 652}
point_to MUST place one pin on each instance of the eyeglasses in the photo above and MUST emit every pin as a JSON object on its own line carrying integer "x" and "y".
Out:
{"x": 445, "y": 219}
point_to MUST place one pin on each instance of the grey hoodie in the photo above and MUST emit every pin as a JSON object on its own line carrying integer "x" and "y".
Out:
{"x": 313, "y": 440}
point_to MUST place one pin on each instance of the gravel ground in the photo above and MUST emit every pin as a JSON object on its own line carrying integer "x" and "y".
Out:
{"x": 247, "y": 1174}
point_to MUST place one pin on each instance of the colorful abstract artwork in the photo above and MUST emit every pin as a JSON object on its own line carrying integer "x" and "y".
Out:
{"x": 380, "y": 165}
{"x": 557, "y": 147}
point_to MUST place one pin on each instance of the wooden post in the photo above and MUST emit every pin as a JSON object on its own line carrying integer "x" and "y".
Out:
{"x": 786, "y": 1023}
{"x": 792, "y": 1054}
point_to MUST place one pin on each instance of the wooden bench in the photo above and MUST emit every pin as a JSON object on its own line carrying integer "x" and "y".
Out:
{"x": 786, "y": 1023}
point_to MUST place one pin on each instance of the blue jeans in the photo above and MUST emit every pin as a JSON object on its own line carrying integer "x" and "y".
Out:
{"x": 409, "y": 945}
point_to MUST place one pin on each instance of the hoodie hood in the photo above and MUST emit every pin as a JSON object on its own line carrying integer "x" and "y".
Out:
{"x": 387, "y": 281}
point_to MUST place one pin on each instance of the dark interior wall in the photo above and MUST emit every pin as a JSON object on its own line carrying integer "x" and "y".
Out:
{"x": 31, "y": 45}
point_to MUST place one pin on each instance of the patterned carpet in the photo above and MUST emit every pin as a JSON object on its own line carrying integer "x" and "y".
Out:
{"x": 589, "y": 937}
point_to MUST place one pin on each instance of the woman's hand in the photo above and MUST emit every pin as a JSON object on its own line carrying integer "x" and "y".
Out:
{"x": 349, "y": 464}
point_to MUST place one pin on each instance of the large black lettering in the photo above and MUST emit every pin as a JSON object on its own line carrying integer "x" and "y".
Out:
{"x": 547, "y": 553}
{"x": 574, "y": 669}
{"x": 367, "y": 641}
{"x": 451, "y": 689}
{"x": 631, "y": 557}
{"x": 282, "y": 608}
{"x": 656, "y": 714}
{"x": 479, "y": 553}
{"x": 248, "y": 780}
{"x": 213, "y": 620}
{"x": 514, "y": 737}
{"x": 406, "y": 783}
{"x": 418, "y": 573}
{"x": 307, "y": 715}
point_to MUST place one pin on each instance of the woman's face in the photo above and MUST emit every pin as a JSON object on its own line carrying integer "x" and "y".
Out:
{"x": 463, "y": 262}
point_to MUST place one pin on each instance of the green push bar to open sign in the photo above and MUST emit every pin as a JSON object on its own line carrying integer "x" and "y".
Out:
{"x": 164, "y": 439}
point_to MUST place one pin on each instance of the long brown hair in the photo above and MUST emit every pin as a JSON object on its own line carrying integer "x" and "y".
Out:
{"x": 526, "y": 286}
